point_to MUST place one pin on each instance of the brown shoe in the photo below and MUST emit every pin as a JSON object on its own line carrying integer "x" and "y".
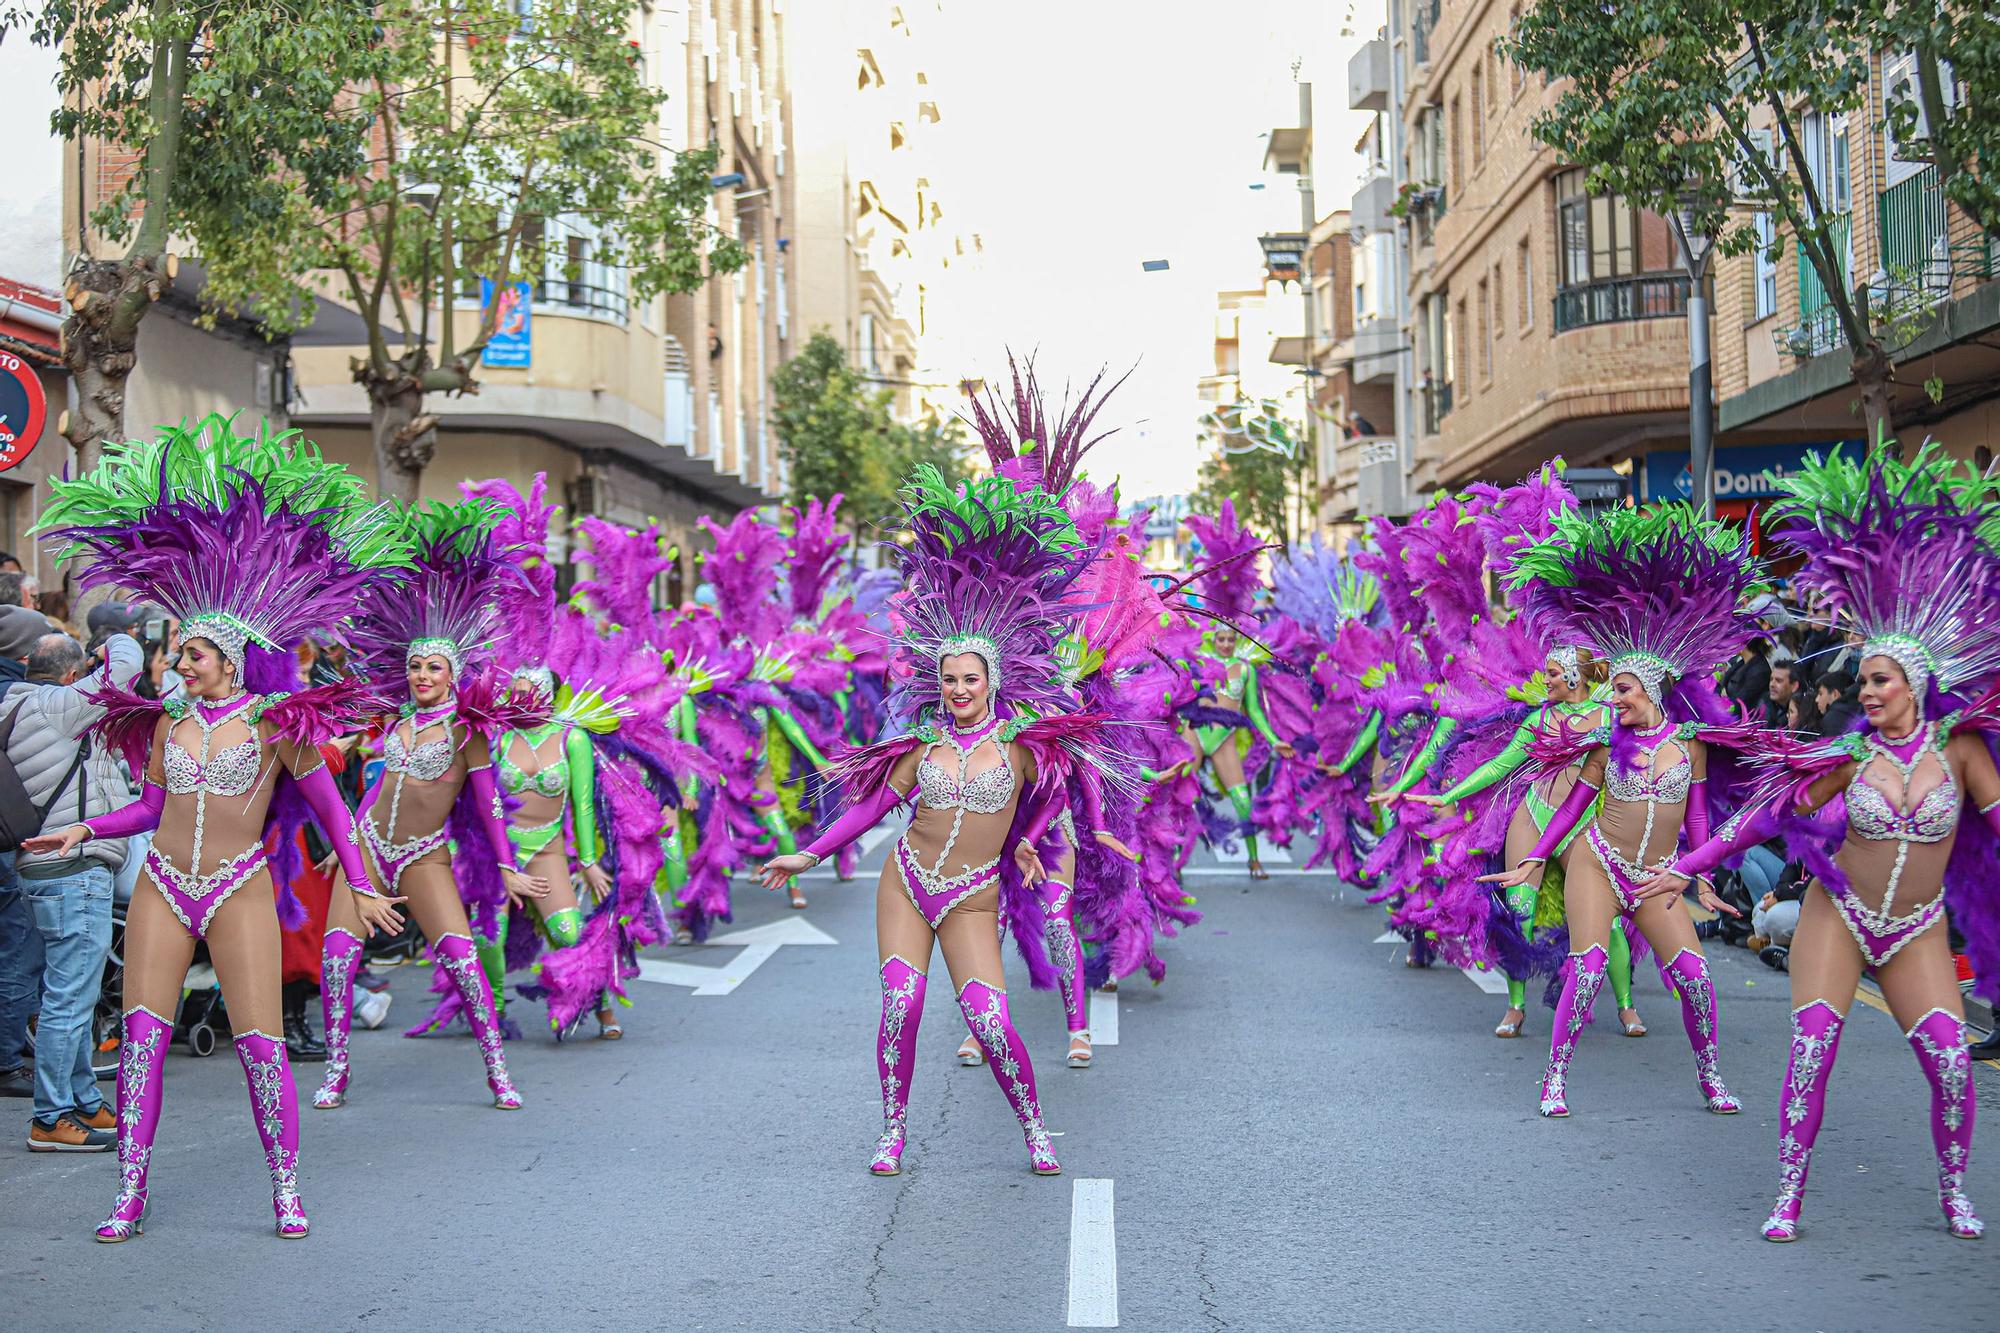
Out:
{"x": 101, "y": 1118}
{"x": 69, "y": 1134}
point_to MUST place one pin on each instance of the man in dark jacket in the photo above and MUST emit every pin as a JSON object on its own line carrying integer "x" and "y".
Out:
{"x": 1839, "y": 703}
{"x": 1747, "y": 682}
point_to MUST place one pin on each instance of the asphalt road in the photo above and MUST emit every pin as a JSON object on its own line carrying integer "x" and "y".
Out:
{"x": 1297, "y": 1133}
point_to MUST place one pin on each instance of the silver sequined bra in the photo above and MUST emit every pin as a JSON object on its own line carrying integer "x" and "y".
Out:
{"x": 427, "y": 763}
{"x": 1668, "y": 788}
{"x": 231, "y": 773}
{"x": 1873, "y": 817}
{"x": 985, "y": 793}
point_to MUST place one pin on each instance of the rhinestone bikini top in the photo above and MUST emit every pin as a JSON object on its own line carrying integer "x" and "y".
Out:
{"x": 1666, "y": 789}
{"x": 1872, "y": 816}
{"x": 230, "y": 773}
{"x": 550, "y": 780}
{"x": 985, "y": 793}
{"x": 427, "y": 763}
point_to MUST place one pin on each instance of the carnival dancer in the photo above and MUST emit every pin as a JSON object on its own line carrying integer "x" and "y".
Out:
{"x": 1896, "y": 552}
{"x": 988, "y": 570}
{"x": 253, "y": 545}
{"x": 1659, "y": 595}
{"x": 427, "y": 637}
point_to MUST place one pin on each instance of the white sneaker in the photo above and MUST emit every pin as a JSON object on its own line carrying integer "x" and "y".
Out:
{"x": 371, "y": 1008}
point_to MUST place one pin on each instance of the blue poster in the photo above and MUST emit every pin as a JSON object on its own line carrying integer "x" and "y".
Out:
{"x": 1742, "y": 471}
{"x": 513, "y": 340}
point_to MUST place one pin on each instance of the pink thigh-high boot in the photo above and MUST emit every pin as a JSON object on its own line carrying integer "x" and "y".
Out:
{"x": 1585, "y": 975}
{"x": 1802, "y": 1103}
{"x": 456, "y": 955}
{"x": 142, "y": 1056}
{"x": 338, "y": 963}
{"x": 985, "y": 1011}
{"x": 896, "y": 1056}
{"x": 1065, "y": 952}
{"x": 273, "y": 1100}
{"x": 1687, "y": 974}
{"x": 1939, "y": 1041}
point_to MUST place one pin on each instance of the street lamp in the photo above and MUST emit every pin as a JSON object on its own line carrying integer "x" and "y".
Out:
{"x": 1697, "y": 247}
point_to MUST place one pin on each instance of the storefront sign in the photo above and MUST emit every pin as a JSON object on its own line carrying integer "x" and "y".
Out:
{"x": 1742, "y": 472}
{"x": 23, "y": 409}
{"x": 513, "y": 340}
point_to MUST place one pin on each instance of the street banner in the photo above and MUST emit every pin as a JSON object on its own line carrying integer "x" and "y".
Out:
{"x": 513, "y": 340}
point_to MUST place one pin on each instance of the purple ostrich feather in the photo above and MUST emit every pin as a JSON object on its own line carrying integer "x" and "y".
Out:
{"x": 1019, "y": 433}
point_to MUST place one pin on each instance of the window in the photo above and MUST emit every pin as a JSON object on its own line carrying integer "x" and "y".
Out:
{"x": 1599, "y": 232}
{"x": 1461, "y": 330}
{"x": 1493, "y": 76}
{"x": 1899, "y": 85}
{"x": 1453, "y": 139}
{"x": 1524, "y": 283}
{"x": 1766, "y": 293}
{"x": 1824, "y": 139}
{"x": 1499, "y": 304}
{"x": 1485, "y": 331}
{"x": 1360, "y": 301}
{"x": 1478, "y": 114}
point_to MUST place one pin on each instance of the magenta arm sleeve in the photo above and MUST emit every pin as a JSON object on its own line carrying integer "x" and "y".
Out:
{"x": 1092, "y": 801}
{"x": 492, "y": 817}
{"x": 334, "y": 820}
{"x": 1738, "y": 835}
{"x": 1695, "y": 824}
{"x": 1041, "y": 813}
{"x": 856, "y": 820}
{"x": 1991, "y": 814}
{"x": 1561, "y": 824}
{"x": 141, "y": 816}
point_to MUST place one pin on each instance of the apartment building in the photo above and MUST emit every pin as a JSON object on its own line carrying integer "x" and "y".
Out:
{"x": 1783, "y": 376}
{"x": 1544, "y": 320}
{"x": 636, "y": 410}
{"x": 1379, "y": 449}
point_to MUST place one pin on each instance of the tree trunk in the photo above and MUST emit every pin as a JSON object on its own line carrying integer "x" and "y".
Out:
{"x": 1871, "y": 377}
{"x": 405, "y": 436}
{"x": 100, "y": 346}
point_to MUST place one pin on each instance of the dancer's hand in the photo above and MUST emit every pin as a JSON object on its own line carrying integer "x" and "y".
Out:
{"x": 1422, "y": 798}
{"x": 597, "y": 881}
{"x": 1107, "y": 840}
{"x": 1666, "y": 881}
{"x": 779, "y": 869}
{"x": 1029, "y": 862}
{"x": 523, "y": 888}
{"x": 378, "y": 913}
{"x": 60, "y": 843}
{"x": 1513, "y": 879}
{"x": 1384, "y": 797}
{"x": 1706, "y": 895}
{"x": 690, "y": 799}
{"x": 1285, "y": 751}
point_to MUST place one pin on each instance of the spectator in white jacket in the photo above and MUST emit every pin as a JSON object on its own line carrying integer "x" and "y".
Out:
{"x": 69, "y": 777}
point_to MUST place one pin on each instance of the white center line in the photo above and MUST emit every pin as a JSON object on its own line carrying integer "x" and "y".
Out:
{"x": 1093, "y": 1256}
{"x": 1103, "y": 1019}
{"x": 1240, "y": 855}
{"x": 1493, "y": 983}
{"x": 1389, "y": 937}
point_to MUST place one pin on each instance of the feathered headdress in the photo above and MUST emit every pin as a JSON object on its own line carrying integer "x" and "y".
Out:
{"x": 1904, "y": 554}
{"x": 812, "y": 556}
{"x": 1320, "y": 588}
{"x": 1522, "y": 514}
{"x": 444, "y": 603}
{"x": 743, "y": 569}
{"x": 625, "y": 563}
{"x": 1021, "y": 443}
{"x": 247, "y": 541}
{"x": 1228, "y": 583}
{"x": 526, "y": 608}
{"x": 989, "y": 569}
{"x": 1659, "y": 592}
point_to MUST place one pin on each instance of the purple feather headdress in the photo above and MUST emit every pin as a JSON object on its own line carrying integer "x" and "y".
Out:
{"x": 444, "y": 603}
{"x": 527, "y": 608}
{"x": 624, "y": 564}
{"x": 1520, "y": 515}
{"x": 248, "y": 542}
{"x": 812, "y": 557}
{"x": 1317, "y": 585}
{"x": 1898, "y": 555}
{"x": 1018, "y": 437}
{"x": 1229, "y": 581}
{"x": 1659, "y": 592}
{"x": 988, "y": 569}
{"x": 743, "y": 569}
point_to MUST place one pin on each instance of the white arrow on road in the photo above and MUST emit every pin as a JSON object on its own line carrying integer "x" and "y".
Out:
{"x": 758, "y": 945}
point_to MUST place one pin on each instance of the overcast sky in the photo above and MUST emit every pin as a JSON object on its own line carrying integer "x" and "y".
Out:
{"x": 1090, "y": 135}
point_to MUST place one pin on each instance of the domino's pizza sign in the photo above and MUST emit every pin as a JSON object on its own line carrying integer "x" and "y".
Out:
{"x": 23, "y": 409}
{"x": 1742, "y": 472}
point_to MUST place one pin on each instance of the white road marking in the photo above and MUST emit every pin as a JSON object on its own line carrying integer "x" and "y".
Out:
{"x": 1240, "y": 855}
{"x": 758, "y": 944}
{"x": 1236, "y": 871}
{"x": 1493, "y": 983}
{"x": 1103, "y": 1019}
{"x": 1093, "y": 1256}
{"x": 1389, "y": 937}
{"x": 874, "y": 837}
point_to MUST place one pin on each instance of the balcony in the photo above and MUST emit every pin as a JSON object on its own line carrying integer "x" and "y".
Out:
{"x": 1369, "y": 211}
{"x": 1621, "y": 301}
{"x": 1368, "y": 77}
{"x": 1376, "y": 344}
{"x": 1379, "y": 479}
{"x": 1916, "y": 254}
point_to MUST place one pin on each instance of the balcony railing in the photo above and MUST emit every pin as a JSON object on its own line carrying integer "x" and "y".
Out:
{"x": 1910, "y": 215}
{"x": 1621, "y": 300}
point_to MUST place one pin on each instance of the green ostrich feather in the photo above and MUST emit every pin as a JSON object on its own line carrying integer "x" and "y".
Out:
{"x": 1612, "y": 537}
{"x": 988, "y": 506}
{"x": 1839, "y": 485}
{"x": 459, "y": 526}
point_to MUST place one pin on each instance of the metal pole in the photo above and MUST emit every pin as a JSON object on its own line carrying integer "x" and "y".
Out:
{"x": 1695, "y": 252}
{"x": 1307, "y": 221}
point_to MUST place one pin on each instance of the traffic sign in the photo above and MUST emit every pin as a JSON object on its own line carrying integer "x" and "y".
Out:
{"x": 23, "y": 409}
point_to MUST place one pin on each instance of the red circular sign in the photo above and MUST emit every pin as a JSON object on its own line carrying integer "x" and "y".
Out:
{"x": 23, "y": 408}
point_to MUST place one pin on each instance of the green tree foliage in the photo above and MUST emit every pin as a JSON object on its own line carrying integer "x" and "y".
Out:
{"x": 1949, "y": 43}
{"x": 493, "y": 130}
{"x": 1270, "y": 483}
{"x": 1672, "y": 100}
{"x": 839, "y": 436}
{"x": 237, "y": 113}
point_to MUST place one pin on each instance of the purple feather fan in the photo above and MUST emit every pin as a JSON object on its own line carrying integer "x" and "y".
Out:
{"x": 1229, "y": 584}
{"x": 526, "y": 608}
{"x": 624, "y": 565}
{"x": 1019, "y": 433}
{"x": 742, "y": 567}
{"x": 812, "y": 557}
